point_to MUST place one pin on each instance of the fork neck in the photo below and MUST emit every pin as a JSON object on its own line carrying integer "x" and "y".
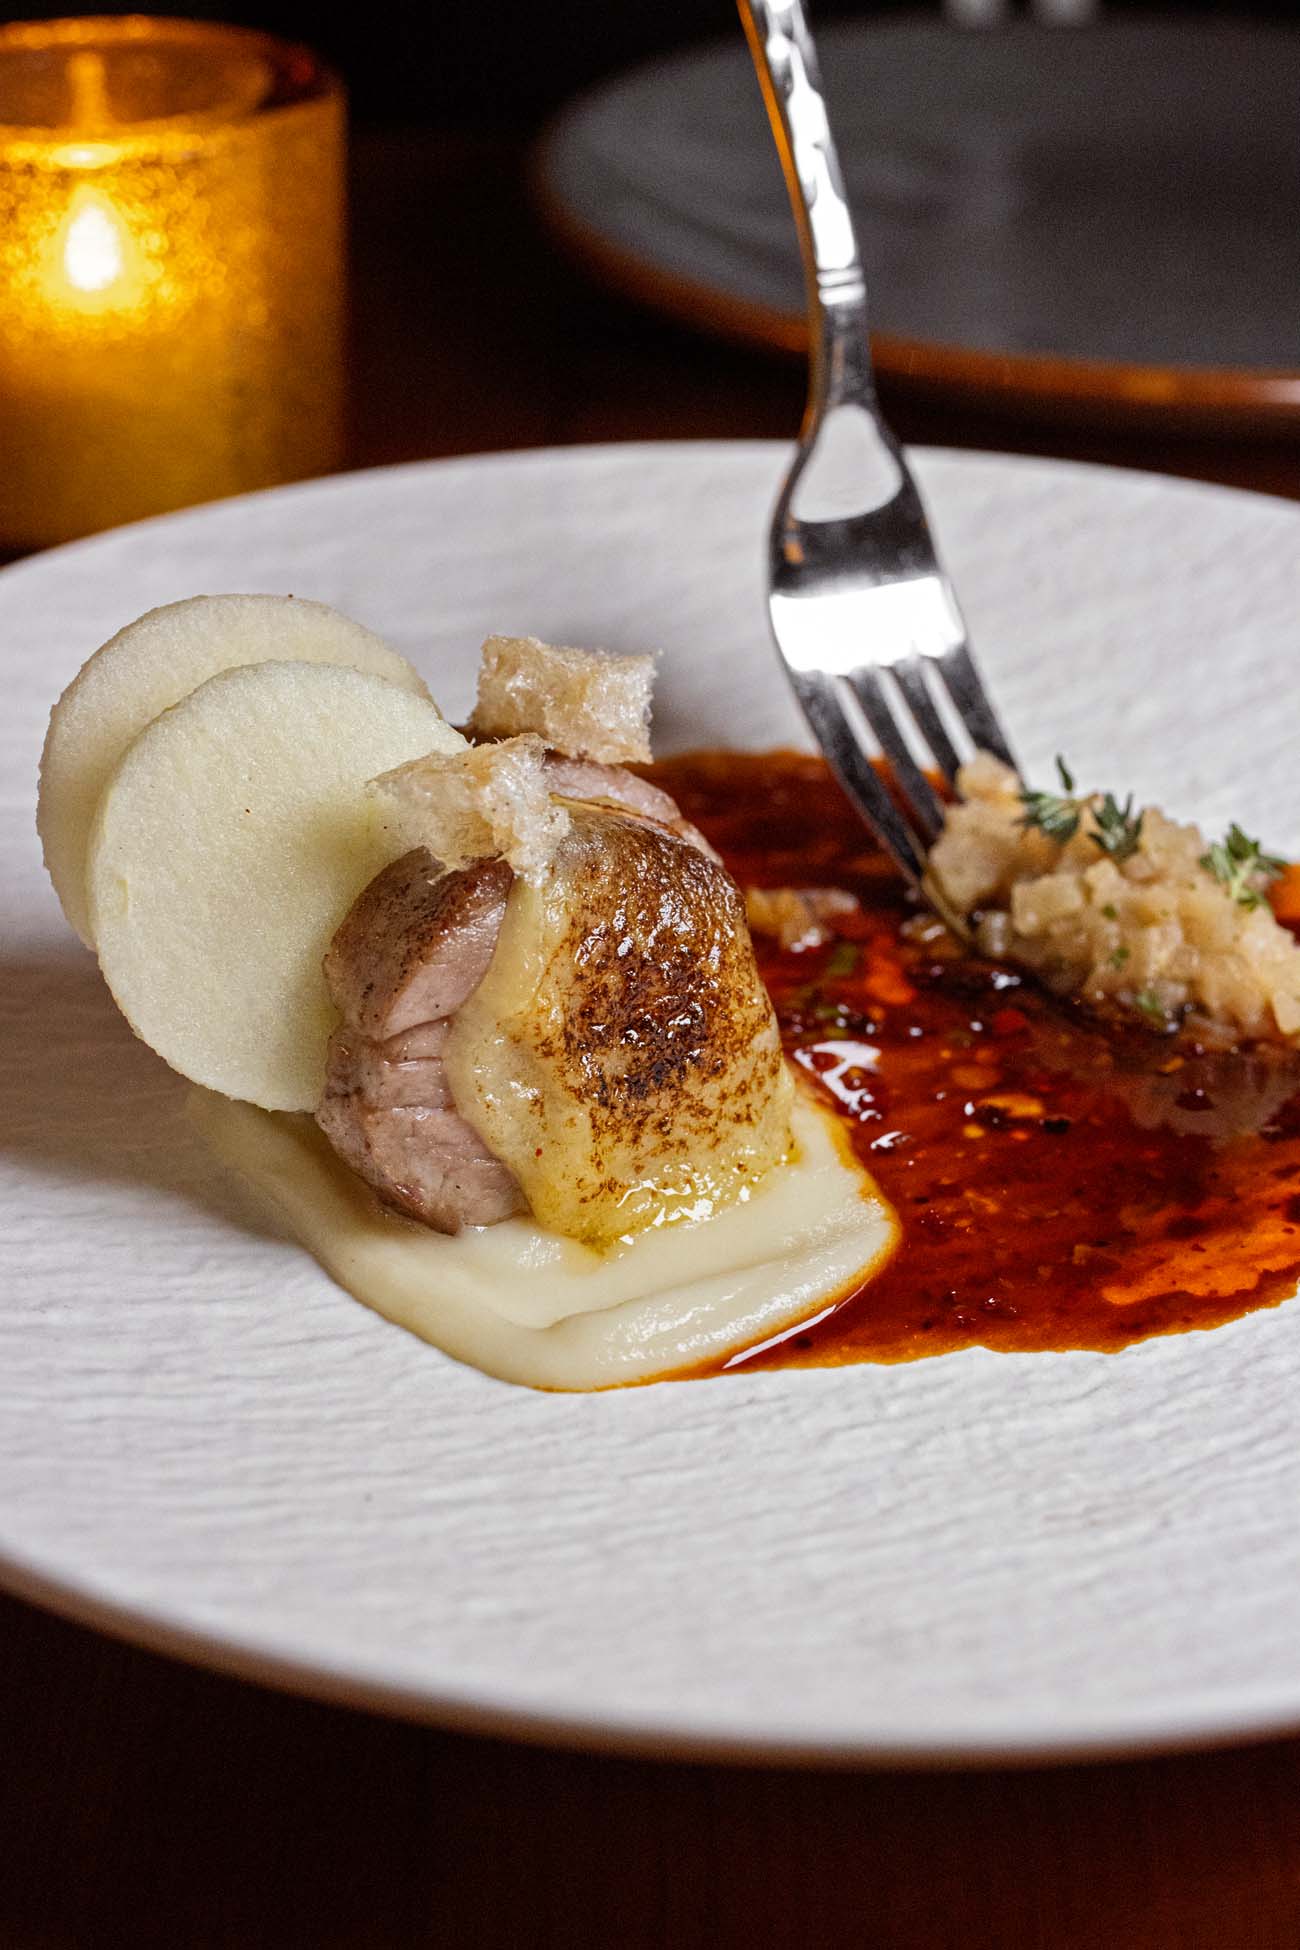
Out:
{"x": 781, "y": 43}
{"x": 839, "y": 353}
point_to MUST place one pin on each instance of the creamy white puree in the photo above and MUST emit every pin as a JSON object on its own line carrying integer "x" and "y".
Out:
{"x": 530, "y": 1306}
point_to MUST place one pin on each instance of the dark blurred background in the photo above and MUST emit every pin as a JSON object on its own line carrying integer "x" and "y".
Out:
{"x": 471, "y": 63}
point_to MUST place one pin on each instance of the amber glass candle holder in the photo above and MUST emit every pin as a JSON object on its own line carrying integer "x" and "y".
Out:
{"x": 171, "y": 269}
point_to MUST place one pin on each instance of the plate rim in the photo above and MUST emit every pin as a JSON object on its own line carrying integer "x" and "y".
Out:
{"x": 1243, "y": 1718}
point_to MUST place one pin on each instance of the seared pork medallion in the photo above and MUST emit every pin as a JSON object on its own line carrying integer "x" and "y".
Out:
{"x": 587, "y": 1038}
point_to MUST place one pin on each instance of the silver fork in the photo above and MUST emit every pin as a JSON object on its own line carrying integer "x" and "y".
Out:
{"x": 864, "y": 617}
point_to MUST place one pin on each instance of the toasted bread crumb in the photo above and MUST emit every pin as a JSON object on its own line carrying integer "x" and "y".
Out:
{"x": 585, "y": 703}
{"x": 486, "y": 802}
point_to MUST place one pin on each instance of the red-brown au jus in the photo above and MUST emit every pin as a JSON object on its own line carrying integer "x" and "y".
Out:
{"x": 1060, "y": 1183}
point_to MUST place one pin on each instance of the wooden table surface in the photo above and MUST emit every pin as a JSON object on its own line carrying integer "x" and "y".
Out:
{"x": 143, "y": 1803}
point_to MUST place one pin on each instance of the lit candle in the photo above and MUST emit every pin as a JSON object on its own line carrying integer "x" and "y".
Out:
{"x": 171, "y": 269}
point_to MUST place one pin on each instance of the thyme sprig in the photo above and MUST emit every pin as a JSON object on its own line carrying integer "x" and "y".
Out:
{"x": 1239, "y": 863}
{"x": 1117, "y": 830}
{"x": 1053, "y": 813}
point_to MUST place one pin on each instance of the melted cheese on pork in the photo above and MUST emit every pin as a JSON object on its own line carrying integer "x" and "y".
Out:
{"x": 621, "y": 1055}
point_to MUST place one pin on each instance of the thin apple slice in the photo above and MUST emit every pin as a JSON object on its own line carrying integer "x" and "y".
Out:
{"x": 152, "y": 664}
{"x": 229, "y": 844}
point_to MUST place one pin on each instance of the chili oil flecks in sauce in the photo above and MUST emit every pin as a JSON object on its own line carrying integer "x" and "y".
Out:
{"x": 1060, "y": 1183}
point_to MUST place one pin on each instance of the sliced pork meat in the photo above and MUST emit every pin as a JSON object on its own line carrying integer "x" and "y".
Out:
{"x": 416, "y": 943}
{"x": 414, "y": 947}
{"x": 614, "y": 785}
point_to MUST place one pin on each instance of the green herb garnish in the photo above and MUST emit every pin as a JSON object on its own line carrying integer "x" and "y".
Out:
{"x": 1149, "y": 1003}
{"x": 1119, "y": 829}
{"x": 1053, "y": 813}
{"x": 1119, "y": 957}
{"x": 842, "y": 960}
{"x": 1237, "y": 863}
{"x": 1111, "y": 911}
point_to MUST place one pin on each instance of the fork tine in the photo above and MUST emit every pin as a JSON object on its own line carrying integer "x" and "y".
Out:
{"x": 919, "y": 795}
{"x": 966, "y": 689}
{"x": 910, "y": 674}
{"x": 834, "y": 731}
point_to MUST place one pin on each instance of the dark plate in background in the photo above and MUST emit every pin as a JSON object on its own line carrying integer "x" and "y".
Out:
{"x": 1072, "y": 221}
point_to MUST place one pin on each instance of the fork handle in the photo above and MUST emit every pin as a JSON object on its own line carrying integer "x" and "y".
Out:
{"x": 781, "y": 43}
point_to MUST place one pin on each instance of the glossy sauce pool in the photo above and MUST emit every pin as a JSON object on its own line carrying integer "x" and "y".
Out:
{"x": 1059, "y": 1184}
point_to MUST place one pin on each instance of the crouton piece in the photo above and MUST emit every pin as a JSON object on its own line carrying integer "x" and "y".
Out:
{"x": 585, "y": 703}
{"x": 486, "y": 802}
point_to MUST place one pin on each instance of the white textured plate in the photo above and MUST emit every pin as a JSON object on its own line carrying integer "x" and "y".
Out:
{"x": 207, "y": 1445}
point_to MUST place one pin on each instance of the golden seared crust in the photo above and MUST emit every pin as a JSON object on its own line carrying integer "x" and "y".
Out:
{"x": 654, "y": 1035}
{"x": 622, "y": 1055}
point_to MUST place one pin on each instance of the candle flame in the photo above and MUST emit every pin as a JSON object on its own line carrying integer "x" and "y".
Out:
{"x": 92, "y": 249}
